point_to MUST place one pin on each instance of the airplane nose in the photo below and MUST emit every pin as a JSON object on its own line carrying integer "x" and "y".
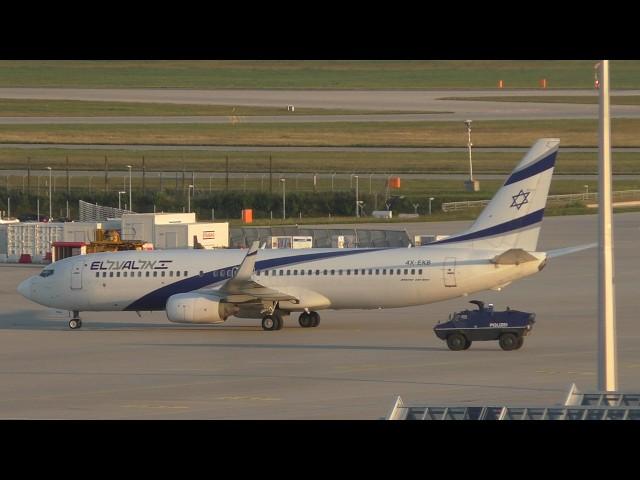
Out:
{"x": 24, "y": 288}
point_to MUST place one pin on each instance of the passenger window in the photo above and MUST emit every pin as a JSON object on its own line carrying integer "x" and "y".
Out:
{"x": 355, "y": 271}
{"x": 186, "y": 273}
{"x": 201, "y": 273}
{"x": 110, "y": 274}
{"x": 333, "y": 272}
{"x": 384, "y": 271}
{"x": 339, "y": 271}
{"x": 139, "y": 274}
{"x": 301, "y": 272}
{"x": 288, "y": 272}
{"x": 155, "y": 274}
{"x": 363, "y": 271}
{"x": 124, "y": 274}
{"x": 310, "y": 272}
{"x": 162, "y": 273}
{"x": 146, "y": 274}
{"x": 391, "y": 271}
{"x": 281, "y": 272}
{"x": 413, "y": 271}
{"x": 377, "y": 271}
{"x": 419, "y": 271}
{"x": 406, "y": 272}
{"x": 171, "y": 273}
{"x": 295, "y": 272}
{"x": 324, "y": 272}
{"x": 178, "y": 273}
{"x": 97, "y": 274}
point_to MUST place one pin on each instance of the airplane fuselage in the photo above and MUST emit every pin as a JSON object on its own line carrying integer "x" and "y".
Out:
{"x": 319, "y": 278}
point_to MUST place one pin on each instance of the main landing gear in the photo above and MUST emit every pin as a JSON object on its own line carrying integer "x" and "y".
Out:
{"x": 309, "y": 319}
{"x": 274, "y": 319}
{"x": 75, "y": 321}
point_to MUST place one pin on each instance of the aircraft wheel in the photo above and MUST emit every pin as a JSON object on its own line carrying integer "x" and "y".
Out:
{"x": 305, "y": 320}
{"x": 270, "y": 322}
{"x": 75, "y": 323}
{"x": 508, "y": 341}
{"x": 315, "y": 319}
{"x": 456, "y": 341}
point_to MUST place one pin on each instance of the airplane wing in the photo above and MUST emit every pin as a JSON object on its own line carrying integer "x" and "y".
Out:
{"x": 240, "y": 288}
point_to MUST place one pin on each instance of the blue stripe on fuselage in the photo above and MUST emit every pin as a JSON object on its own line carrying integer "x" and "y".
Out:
{"x": 501, "y": 228}
{"x": 157, "y": 299}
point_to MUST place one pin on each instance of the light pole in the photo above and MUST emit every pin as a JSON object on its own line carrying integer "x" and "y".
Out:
{"x": 471, "y": 184}
{"x": 284, "y": 198}
{"x": 607, "y": 348}
{"x": 130, "y": 204}
{"x": 468, "y": 124}
{"x": 430, "y": 200}
{"x": 357, "y": 209}
{"x": 189, "y": 198}
{"x": 50, "y": 205}
{"x": 586, "y": 189}
{"x": 119, "y": 204}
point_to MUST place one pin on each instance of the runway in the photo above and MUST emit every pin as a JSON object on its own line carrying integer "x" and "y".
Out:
{"x": 353, "y": 366}
{"x": 378, "y": 100}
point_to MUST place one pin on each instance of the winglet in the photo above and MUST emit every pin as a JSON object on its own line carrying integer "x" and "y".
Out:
{"x": 248, "y": 264}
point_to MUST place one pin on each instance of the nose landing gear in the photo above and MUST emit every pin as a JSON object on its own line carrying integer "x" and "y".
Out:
{"x": 75, "y": 322}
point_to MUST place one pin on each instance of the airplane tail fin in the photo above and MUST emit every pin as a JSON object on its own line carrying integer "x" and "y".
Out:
{"x": 512, "y": 218}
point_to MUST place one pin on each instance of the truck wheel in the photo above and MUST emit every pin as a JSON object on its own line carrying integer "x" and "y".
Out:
{"x": 508, "y": 341}
{"x": 468, "y": 344}
{"x": 520, "y": 343}
{"x": 456, "y": 341}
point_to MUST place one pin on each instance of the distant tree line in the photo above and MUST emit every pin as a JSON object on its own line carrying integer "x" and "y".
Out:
{"x": 226, "y": 204}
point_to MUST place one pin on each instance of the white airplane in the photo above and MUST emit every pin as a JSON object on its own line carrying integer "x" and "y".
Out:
{"x": 209, "y": 286}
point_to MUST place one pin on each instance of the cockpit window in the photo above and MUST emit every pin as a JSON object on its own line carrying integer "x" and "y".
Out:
{"x": 47, "y": 272}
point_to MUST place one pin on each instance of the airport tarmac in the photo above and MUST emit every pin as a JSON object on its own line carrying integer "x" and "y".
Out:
{"x": 397, "y": 100}
{"x": 353, "y": 366}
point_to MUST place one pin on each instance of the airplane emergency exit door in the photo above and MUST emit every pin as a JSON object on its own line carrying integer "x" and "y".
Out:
{"x": 449, "y": 272}
{"x": 76, "y": 276}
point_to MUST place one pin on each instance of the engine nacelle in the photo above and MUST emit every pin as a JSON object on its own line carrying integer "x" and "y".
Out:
{"x": 197, "y": 308}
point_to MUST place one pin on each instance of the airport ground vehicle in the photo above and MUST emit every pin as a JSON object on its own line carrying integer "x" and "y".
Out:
{"x": 508, "y": 327}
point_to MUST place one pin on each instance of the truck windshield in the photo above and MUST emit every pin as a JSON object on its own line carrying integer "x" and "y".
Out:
{"x": 47, "y": 272}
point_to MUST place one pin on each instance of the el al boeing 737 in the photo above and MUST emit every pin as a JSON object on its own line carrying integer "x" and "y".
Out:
{"x": 209, "y": 286}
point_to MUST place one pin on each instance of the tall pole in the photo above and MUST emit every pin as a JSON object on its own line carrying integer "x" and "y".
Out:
{"x": 468, "y": 124}
{"x": 68, "y": 179}
{"x": 50, "y": 205}
{"x": 607, "y": 355}
{"x": 130, "y": 203}
{"x": 357, "y": 210}
{"x": 284, "y": 199}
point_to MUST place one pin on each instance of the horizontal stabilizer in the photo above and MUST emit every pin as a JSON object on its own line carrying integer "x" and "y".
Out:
{"x": 567, "y": 250}
{"x": 513, "y": 256}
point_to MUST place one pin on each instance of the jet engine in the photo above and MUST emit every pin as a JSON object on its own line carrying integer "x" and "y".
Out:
{"x": 198, "y": 308}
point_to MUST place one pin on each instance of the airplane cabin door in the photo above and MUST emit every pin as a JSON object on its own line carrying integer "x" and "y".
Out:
{"x": 449, "y": 272}
{"x": 76, "y": 276}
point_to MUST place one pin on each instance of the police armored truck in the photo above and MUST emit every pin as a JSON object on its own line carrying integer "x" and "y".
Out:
{"x": 508, "y": 327}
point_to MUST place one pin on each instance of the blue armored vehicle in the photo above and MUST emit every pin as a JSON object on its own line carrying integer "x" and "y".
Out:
{"x": 508, "y": 327}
